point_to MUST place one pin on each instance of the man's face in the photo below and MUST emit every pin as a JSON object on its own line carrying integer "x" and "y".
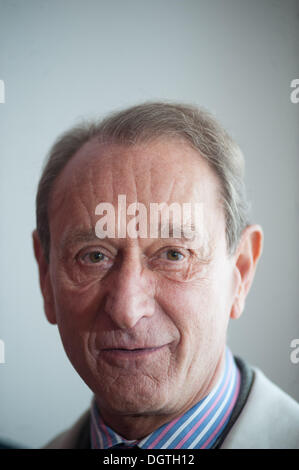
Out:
{"x": 144, "y": 320}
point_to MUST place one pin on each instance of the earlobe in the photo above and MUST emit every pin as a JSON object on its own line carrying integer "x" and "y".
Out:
{"x": 44, "y": 278}
{"x": 246, "y": 259}
{"x": 237, "y": 309}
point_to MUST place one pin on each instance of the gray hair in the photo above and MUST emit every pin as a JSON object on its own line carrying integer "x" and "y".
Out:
{"x": 146, "y": 122}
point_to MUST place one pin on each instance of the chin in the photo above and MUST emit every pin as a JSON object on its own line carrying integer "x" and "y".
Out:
{"x": 132, "y": 400}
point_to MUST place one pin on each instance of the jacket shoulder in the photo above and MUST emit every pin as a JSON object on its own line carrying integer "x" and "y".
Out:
{"x": 268, "y": 420}
{"x": 74, "y": 437}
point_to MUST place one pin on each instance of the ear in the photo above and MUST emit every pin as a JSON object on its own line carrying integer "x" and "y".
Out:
{"x": 44, "y": 279}
{"x": 246, "y": 258}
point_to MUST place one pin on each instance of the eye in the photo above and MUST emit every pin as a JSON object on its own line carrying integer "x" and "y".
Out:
{"x": 174, "y": 255}
{"x": 94, "y": 257}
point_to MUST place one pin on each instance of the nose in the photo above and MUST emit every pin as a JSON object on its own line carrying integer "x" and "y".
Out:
{"x": 130, "y": 295}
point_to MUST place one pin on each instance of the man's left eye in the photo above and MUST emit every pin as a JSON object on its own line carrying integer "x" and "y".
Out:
{"x": 174, "y": 255}
{"x": 94, "y": 257}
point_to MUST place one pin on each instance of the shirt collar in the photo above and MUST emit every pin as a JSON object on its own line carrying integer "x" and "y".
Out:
{"x": 198, "y": 428}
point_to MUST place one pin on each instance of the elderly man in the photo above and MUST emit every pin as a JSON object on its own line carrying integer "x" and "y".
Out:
{"x": 143, "y": 316}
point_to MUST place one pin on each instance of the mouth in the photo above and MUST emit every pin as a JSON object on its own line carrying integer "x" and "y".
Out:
{"x": 129, "y": 354}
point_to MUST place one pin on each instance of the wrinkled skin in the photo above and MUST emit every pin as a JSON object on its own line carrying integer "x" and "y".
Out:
{"x": 143, "y": 320}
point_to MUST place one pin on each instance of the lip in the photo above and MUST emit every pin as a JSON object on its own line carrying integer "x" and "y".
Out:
{"x": 120, "y": 354}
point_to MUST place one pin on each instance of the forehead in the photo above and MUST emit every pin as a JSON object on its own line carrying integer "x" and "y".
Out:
{"x": 158, "y": 172}
{"x": 163, "y": 170}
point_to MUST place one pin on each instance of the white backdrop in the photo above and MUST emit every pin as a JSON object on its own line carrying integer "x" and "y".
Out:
{"x": 62, "y": 60}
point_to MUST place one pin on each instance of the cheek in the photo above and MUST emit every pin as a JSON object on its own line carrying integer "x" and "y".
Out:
{"x": 70, "y": 298}
{"x": 187, "y": 305}
{"x": 199, "y": 309}
{"x": 77, "y": 305}
{"x": 76, "y": 313}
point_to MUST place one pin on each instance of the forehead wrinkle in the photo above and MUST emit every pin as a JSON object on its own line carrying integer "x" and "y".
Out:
{"x": 110, "y": 183}
{"x": 102, "y": 180}
{"x": 172, "y": 188}
{"x": 80, "y": 199}
{"x": 91, "y": 184}
{"x": 143, "y": 175}
{"x": 123, "y": 172}
{"x": 139, "y": 163}
{"x": 134, "y": 176}
{"x": 151, "y": 179}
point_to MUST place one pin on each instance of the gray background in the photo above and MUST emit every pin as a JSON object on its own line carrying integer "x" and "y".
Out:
{"x": 64, "y": 60}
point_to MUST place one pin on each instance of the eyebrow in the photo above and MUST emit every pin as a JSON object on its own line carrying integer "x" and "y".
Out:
{"x": 205, "y": 248}
{"x": 78, "y": 236}
{"x": 187, "y": 231}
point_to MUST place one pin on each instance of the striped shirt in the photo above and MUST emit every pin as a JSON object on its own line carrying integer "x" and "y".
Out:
{"x": 198, "y": 428}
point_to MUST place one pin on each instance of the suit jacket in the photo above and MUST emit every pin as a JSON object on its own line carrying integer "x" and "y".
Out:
{"x": 264, "y": 417}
